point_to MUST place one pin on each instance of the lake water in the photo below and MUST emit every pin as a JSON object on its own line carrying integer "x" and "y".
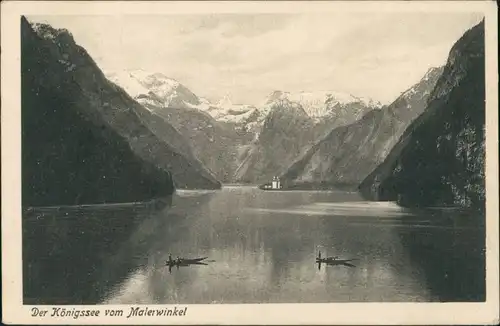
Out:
{"x": 261, "y": 247}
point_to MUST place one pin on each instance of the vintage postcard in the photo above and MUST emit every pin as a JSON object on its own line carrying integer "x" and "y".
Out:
{"x": 250, "y": 162}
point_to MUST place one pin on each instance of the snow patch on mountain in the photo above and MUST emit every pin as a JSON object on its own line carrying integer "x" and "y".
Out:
{"x": 319, "y": 104}
{"x": 225, "y": 110}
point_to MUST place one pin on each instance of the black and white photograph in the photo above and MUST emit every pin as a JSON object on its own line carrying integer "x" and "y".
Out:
{"x": 168, "y": 159}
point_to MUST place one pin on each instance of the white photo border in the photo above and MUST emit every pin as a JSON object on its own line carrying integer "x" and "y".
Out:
{"x": 234, "y": 314}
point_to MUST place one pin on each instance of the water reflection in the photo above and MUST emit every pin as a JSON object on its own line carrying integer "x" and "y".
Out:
{"x": 452, "y": 256}
{"x": 270, "y": 256}
{"x": 262, "y": 247}
{"x": 76, "y": 255}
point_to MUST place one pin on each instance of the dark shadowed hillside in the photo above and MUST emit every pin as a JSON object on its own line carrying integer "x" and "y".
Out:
{"x": 439, "y": 160}
{"x": 67, "y": 157}
{"x": 349, "y": 153}
{"x": 83, "y": 141}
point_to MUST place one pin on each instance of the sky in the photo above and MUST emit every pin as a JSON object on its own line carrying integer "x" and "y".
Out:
{"x": 247, "y": 56}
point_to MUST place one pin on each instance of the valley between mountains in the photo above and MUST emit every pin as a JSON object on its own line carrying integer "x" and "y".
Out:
{"x": 126, "y": 135}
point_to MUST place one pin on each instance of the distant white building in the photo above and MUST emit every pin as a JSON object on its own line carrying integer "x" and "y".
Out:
{"x": 276, "y": 184}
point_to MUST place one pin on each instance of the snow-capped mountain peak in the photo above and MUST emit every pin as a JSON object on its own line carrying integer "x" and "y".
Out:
{"x": 154, "y": 88}
{"x": 226, "y": 111}
{"x": 137, "y": 82}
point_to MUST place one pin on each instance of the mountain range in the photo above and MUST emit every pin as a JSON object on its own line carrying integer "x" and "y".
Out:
{"x": 238, "y": 142}
{"x": 156, "y": 134}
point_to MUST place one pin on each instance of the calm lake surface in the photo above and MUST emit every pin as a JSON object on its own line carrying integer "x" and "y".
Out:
{"x": 261, "y": 247}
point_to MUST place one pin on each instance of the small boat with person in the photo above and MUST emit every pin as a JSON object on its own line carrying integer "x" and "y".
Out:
{"x": 185, "y": 261}
{"x": 334, "y": 260}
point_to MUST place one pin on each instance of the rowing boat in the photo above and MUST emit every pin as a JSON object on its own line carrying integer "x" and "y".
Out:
{"x": 333, "y": 261}
{"x": 185, "y": 261}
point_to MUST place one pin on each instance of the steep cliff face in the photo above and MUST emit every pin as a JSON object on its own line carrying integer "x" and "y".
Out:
{"x": 349, "y": 153}
{"x": 83, "y": 140}
{"x": 440, "y": 158}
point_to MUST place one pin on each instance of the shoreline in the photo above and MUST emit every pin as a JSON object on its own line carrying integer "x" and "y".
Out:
{"x": 157, "y": 203}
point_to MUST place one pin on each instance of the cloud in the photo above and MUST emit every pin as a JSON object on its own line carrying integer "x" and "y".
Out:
{"x": 248, "y": 56}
